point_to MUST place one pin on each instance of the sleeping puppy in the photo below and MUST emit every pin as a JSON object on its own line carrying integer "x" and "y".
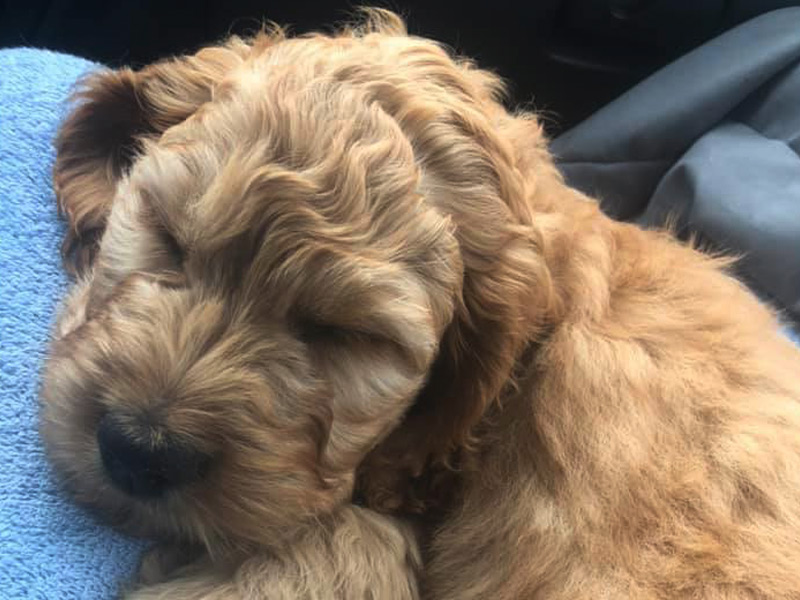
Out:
{"x": 330, "y": 268}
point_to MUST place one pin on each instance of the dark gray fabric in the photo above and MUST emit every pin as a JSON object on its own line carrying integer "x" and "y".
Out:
{"x": 711, "y": 142}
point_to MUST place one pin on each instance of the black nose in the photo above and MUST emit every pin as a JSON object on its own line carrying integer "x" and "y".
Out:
{"x": 144, "y": 462}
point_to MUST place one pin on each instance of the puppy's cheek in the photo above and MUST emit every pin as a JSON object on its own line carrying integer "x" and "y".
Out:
{"x": 69, "y": 414}
{"x": 72, "y": 314}
{"x": 69, "y": 411}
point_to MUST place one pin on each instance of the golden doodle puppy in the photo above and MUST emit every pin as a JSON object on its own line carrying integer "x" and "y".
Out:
{"x": 341, "y": 331}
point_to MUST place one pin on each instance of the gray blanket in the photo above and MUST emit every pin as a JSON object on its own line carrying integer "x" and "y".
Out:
{"x": 711, "y": 143}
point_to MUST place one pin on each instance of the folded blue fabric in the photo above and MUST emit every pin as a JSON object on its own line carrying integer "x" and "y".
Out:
{"x": 48, "y": 547}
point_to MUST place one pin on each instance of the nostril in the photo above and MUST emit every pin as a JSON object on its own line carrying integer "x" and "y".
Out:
{"x": 143, "y": 464}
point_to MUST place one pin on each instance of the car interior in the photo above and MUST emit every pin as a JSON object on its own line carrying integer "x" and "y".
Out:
{"x": 565, "y": 58}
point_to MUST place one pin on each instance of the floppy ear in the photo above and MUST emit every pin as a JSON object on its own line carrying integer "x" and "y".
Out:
{"x": 112, "y": 111}
{"x": 506, "y": 298}
{"x": 510, "y": 244}
{"x": 411, "y": 470}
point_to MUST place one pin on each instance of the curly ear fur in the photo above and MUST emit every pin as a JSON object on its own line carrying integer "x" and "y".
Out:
{"x": 112, "y": 111}
{"x": 471, "y": 166}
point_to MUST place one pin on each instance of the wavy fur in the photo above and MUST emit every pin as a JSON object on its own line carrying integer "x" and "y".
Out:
{"x": 339, "y": 266}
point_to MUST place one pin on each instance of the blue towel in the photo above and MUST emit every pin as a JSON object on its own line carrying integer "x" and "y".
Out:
{"x": 49, "y": 549}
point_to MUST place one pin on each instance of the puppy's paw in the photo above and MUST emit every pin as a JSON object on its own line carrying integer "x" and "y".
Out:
{"x": 164, "y": 561}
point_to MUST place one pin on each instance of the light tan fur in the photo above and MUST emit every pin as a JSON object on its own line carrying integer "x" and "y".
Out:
{"x": 340, "y": 267}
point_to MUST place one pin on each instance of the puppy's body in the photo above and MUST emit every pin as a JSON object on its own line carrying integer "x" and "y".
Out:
{"x": 650, "y": 449}
{"x": 332, "y": 254}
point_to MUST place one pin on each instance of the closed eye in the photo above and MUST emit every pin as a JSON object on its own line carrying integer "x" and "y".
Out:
{"x": 172, "y": 247}
{"x": 311, "y": 331}
{"x": 167, "y": 250}
{"x": 166, "y": 265}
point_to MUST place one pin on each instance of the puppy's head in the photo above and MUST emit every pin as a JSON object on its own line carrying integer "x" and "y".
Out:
{"x": 277, "y": 272}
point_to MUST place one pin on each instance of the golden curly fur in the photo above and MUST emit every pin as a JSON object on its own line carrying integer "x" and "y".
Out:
{"x": 335, "y": 266}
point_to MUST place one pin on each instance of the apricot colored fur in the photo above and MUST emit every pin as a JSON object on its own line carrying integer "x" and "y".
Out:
{"x": 339, "y": 266}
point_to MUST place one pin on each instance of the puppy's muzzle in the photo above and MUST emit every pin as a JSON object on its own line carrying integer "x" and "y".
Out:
{"x": 144, "y": 462}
